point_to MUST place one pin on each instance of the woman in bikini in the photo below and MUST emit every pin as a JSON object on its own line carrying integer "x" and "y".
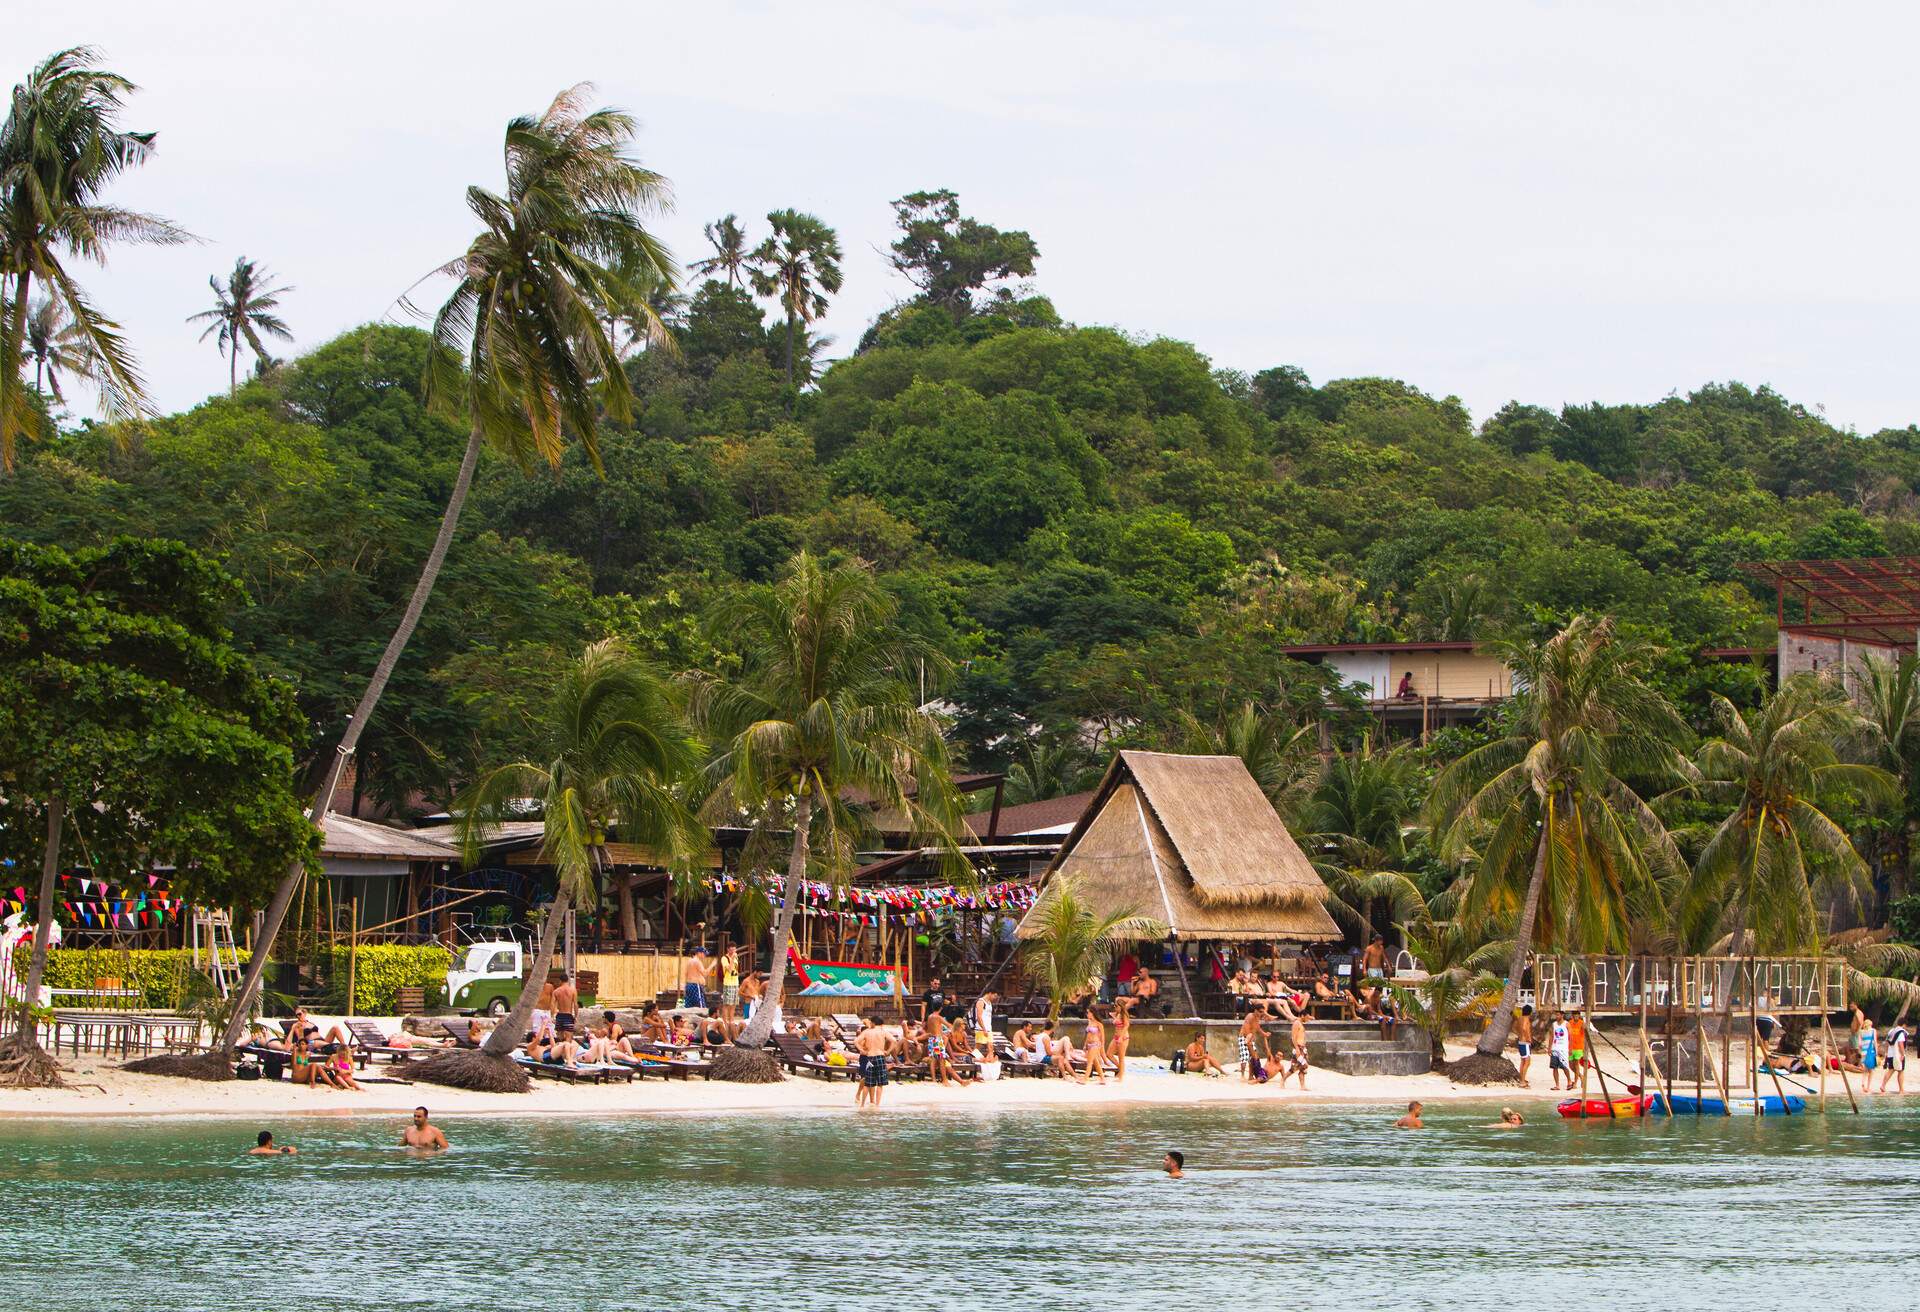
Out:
{"x": 1095, "y": 1045}
{"x": 1122, "y": 1036}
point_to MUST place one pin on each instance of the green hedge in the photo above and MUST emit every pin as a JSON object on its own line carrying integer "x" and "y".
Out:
{"x": 381, "y": 970}
{"x": 161, "y": 974}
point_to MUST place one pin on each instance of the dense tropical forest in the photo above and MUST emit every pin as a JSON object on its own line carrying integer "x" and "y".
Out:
{"x": 1079, "y": 538}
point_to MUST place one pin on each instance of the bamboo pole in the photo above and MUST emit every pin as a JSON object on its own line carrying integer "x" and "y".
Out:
{"x": 1672, "y": 978}
{"x": 1845, "y": 1083}
{"x": 353, "y": 946}
{"x": 1643, "y": 1025}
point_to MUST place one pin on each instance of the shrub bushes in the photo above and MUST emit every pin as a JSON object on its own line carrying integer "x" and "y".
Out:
{"x": 161, "y": 974}
{"x": 381, "y": 970}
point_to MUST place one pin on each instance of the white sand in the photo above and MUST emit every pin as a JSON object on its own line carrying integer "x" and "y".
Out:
{"x": 122, "y": 1094}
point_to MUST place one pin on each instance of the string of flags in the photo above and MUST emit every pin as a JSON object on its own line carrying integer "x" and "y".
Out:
{"x": 918, "y": 904}
{"x": 107, "y": 904}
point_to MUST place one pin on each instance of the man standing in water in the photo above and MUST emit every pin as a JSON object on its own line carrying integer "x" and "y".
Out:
{"x": 423, "y": 1134}
{"x": 1174, "y": 1164}
{"x": 871, "y": 1044}
{"x": 266, "y": 1147}
{"x": 1411, "y": 1121}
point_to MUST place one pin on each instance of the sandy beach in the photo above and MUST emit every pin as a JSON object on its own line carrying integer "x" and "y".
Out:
{"x": 99, "y": 1087}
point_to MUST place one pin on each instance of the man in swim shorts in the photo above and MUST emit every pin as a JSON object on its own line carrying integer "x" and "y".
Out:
{"x": 1576, "y": 1044}
{"x": 694, "y": 992}
{"x": 566, "y": 1008}
{"x": 423, "y": 1134}
{"x": 1557, "y": 1050}
{"x": 1523, "y": 1039}
{"x": 871, "y": 1044}
{"x": 1251, "y": 1039}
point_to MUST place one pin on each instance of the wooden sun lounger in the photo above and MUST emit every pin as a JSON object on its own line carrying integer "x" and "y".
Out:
{"x": 796, "y": 1056}
{"x": 599, "y": 1074}
{"x": 372, "y": 1043}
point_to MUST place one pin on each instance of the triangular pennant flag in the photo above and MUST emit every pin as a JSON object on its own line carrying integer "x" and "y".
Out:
{"x": 152, "y": 880}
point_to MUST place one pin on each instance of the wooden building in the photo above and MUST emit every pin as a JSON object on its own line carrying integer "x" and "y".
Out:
{"x": 1415, "y": 687}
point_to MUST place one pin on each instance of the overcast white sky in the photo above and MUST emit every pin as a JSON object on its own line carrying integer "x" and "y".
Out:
{"x": 1556, "y": 202}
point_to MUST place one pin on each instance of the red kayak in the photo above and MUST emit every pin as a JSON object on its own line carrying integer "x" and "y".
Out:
{"x": 1604, "y": 1108}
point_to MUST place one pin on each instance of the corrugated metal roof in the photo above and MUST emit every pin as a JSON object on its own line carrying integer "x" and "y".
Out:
{"x": 344, "y": 838}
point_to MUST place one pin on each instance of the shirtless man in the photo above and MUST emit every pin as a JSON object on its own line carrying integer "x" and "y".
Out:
{"x": 1523, "y": 1039}
{"x": 871, "y": 1043}
{"x": 694, "y": 992}
{"x": 1374, "y": 960}
{"x": 266, "y": 1147}
{"x": 566, "y": 1008}
{"x": 1194, "y": 1059}
{"x": 1298, "y": 1065}
{"x": 1174, "y": 1164}
{"x": 1253, "y": 1041}
{"x": 1411, "y": 1121}
{"x": 423, "y": 1134}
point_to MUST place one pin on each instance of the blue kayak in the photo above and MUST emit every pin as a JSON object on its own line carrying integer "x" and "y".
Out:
{"x": 1687, "y": 1105}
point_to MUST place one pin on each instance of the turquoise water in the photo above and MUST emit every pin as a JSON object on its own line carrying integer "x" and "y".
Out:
{"x": 1285, "y": 1207}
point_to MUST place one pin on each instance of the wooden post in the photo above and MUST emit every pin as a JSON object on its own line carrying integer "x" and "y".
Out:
{"x": 1845, "y": 1083}
{"x": 1672, "y": 978}
{"x": 1700, "y": 1036}
{"x": 1753, "y": 1040}
{"x": 353, "y": 946}
{"x": 1643, "y": 1025}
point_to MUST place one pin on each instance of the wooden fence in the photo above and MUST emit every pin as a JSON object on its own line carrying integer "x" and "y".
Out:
{"x": 628, "y": 978}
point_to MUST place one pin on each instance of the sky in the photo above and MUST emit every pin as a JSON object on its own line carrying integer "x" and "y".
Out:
{"x": 1554, "y": 202}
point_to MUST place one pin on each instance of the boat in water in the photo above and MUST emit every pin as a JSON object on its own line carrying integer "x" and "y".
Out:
{"x": 1606, "y": 1108}
{"x": 1770, "y": 1105}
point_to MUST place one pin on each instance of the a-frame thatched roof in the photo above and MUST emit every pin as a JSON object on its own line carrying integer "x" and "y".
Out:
{"x": 1192, "y": 841}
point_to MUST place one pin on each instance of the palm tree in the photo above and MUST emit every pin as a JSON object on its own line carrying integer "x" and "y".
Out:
{"x": 799, "y": 264}
{"x": 60, "y": 147}
{"x": 729, "y": 259}
{"x": 54, "y": 344}
{"x": 825, "y": 702}
{"x": 1071, "y": 945}
{"x": 1048, "y": 768}
{"x": 1281, "y": 756}
{"x": 1459, "y": 983}
{"x": 613, "y": 748}
{"x": 519, "y": 349}
{"x": 1552, "y": 834}
{"x": 651, "y": 306}
{"x": 1888, "y": 697}
{"x": 1356, "y": 823}
{"x": 1775, "y": 769}
{"x": 242, "y": 310}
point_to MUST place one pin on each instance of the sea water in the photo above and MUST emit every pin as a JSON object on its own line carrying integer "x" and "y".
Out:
{"x": 1284, "y": 1206}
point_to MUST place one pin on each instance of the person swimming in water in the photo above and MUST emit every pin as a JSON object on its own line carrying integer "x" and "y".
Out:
{"x": 1174, "y": 1164}
{"x": 1411, "y": 1121}
{"x": 423, "y": 1134}
{"x": 1509, "y": 1120}
{"x": 264, "y": 1146}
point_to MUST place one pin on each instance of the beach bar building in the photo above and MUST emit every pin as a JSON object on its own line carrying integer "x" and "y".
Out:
{"x": 1191, "y": 841}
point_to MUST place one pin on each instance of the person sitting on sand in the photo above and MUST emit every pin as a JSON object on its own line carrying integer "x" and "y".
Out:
{"x": 304, "y": 1069}
{"x": 961, "y": 1054}
{"x": 266, "y": 1147}
{"x": 340, "y": 1069}
{"x": 1194, "y": 1059}
{"x": 1411, "y": 1121}
{"x": 1509, "y": 1120}
{"x": 423, "y": 1134}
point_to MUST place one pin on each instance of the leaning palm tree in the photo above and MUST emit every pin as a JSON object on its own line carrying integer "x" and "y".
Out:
{"x": 1777, "y": 770}
{"x": 1068, "y": 945}
{"x": 55, "y": 345}
{"x": 825, "y": 702}
{"x": 1356, "y": 822}
{"x": 519, "y": 350}
{"x": 1888, "y": 697}
{"x": 798, "y": 265}
{"x": 243, "y": 308}
{"x": 60, "y": 147}
{"x": 613, "y": 750}
{"x": 729, "y": 259}
{"x": 1552, "y": 836}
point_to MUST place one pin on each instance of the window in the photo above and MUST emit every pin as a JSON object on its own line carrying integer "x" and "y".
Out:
{"x": 502, "y": 964}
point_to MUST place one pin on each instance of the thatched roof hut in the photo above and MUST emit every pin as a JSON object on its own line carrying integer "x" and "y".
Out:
{"x": 1192, "y": 841}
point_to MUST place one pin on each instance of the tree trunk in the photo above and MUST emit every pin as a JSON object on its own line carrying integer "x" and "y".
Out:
{"x": 511, "y": 1032}
{"x": 233, "y": 370}
{"x": 629, "y": 925}
{"x": 323, "y": 797}
{"x": 9, "y": 377}
{"x": 761, "y": 1026}
{"x": 43, "y": 926}
{"x": 1494, "y": 1040}
{"x": 789, "y": 351}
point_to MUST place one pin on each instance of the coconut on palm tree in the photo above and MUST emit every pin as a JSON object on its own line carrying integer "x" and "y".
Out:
{"x": 729, "y": 260}
{"x": 1777, "y": 770}
{"x": 243, "y": 309}
{"x": 55, "y": 345}
{"x": 519, "y": 349}
{"x": 61, "y": 146}
{"x": 825, "y": 705}
{"x": 1356, "y": 821}
{"x": 1068, "y": 945}
{"x": 798, "y": 265}
{"x": 613, "y": 751}
{"x": 1554, "y": 839}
